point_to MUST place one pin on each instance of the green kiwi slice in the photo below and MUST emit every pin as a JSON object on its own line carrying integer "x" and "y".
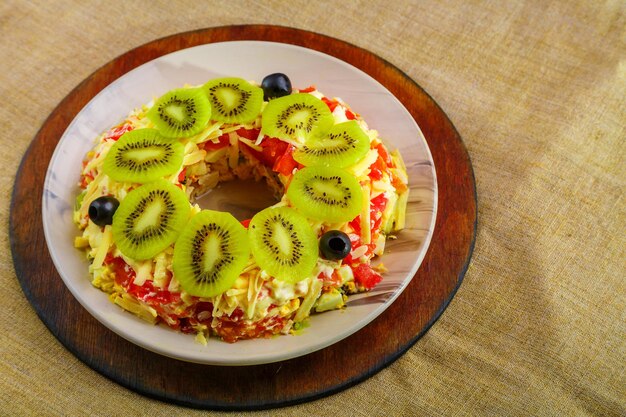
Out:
{"x": 234, "y": 100}
{"x": 344, "y": 145}
{"x": 181, "y": 112}
{"x": 326, "y": 193}
{"x": 210, "y": 253}
{"x": 149, "y": 219}
{"x": 143, "y": 155}
{"x": 296, "y": 117}
{"x": 283, "y": 243}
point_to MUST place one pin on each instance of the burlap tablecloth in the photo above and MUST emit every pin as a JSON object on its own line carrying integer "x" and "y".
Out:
{"x": 536, "y": 90}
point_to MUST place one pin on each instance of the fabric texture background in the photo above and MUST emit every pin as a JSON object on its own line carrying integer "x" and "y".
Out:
{"x": 537, "y": 91}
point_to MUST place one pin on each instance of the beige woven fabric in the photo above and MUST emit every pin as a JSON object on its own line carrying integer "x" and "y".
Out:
{"x": 537, "y": 91}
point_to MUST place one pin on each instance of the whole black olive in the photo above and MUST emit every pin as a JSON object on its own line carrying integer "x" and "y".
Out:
{"x": 101, "y": 210}
{"x": 335, "y": 245}
{"x": 275, "y": 85}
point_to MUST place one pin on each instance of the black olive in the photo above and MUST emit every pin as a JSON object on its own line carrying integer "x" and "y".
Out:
{"x": 335, "y": 245}
{"x": 101, "y": 210}
{"x": 275, "y": 85}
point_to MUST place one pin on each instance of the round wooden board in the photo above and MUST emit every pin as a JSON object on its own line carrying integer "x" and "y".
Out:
{"x": 261, "y": 386}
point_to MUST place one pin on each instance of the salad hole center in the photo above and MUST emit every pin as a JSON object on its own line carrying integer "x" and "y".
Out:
{"x": 241, "y": 198}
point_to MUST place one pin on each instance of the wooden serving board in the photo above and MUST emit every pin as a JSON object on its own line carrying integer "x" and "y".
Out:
{"x": 261, "y": 386}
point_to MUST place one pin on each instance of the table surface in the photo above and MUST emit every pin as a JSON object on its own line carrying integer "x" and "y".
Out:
{"x": 538, "y": 93}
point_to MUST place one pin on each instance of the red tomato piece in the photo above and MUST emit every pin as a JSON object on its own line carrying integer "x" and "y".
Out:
{"x": 331, "y": 103}
{"x": 251, "y": 134}
{"x": 181, "y": 176}
{"x": 382, "y": 152}
{"x": 356, "y": 225}
{"x": 117, "y": 132}
{"x": 350, "y": 115}
{"x": 378, "y": 203}
{"x": 246, "y": 223}
{"x": 85, "y": 180}
{"x": 378, "y": 167}
{"x": 223, "y": 141}
{"x": 285, "y": 164}
{"x": 309, "y": 89}
{"x": 397, "y": 183}
{"x": 366, "y": 276}
{"x": 377, "y": 206}
{"x": 375, "y": 173}
{"x": 124, "y": 274}
{"x": 273, "y": 149}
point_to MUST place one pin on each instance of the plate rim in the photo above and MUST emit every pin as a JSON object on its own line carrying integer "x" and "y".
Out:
{"x": 257, "y": 358}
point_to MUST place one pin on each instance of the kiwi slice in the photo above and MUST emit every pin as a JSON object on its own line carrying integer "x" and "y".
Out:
{"x": 210, "y": 253}
{"x": 296, "y": 117}
{"x": 326, "y": 193}
{"x": 344, "y": 145}
{"x": 283, "y": 243}
{"x": 181, "y": 112}
{"x": 234, "y": 100}
{"x": 149, "y": 219}
{"x": 143, "y": 155}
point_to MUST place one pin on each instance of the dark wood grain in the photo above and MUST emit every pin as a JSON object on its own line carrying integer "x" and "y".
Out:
{"x": 262, "y": 386}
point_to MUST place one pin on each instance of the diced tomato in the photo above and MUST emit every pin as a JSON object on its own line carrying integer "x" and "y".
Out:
{"x": 223, "y": 141}
{"x": 366, "y": 276}
{"x": 377, "y": 206}
{"x": 117, "y": 132}
{"x": 378, "y": 203}
{"x": 251, "y": 134}
{"x": 85, "y": 180}
{"x": 246, "y": 223}
{"x": 181, "y": 176}
{"x": 380, "y": 165}
{"x": 355, "y": 240}
{"x": 375, "y": 173}
{"x": 273, "y": 148}
{"x": 397, "y": 183}
{"x": 309, "y": 89}
{"x": 276, "y": 154}
{"x": 382, "y": 152}
{"x": 124, "y": 274}
{"x": 350, "y": 115}
{"x": 285, "y": 164}
{"x": 155, "y": 297}
{"x": 141, "y": 291}
{"x": 356, "y": 225}
{"x": 331, "y": 103}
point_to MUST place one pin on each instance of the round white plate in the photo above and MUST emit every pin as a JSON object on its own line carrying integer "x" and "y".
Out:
{"x": 250, "y": 60}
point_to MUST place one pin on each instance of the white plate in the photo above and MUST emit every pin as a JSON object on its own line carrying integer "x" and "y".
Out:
{"x": 250, "y": 60}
